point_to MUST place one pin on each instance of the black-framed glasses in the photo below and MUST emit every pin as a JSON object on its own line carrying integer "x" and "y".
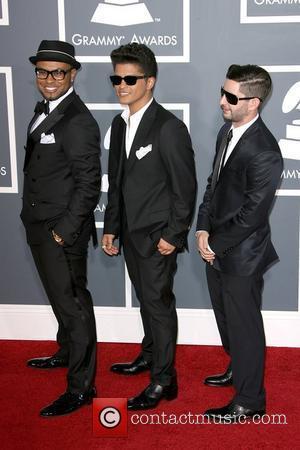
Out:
{"x": 130, "y": 80}
{"x": 57, "y": 74}
{"x": 233, "y": 99}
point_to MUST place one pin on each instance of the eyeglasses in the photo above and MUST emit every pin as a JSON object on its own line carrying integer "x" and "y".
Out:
{"x": 130, "y": 80}
{"x": 57, "y": 74}
{"x": 233, "y": 99}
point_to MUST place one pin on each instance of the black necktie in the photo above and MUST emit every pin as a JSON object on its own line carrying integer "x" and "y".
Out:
{"x": 228, "y": 139}
{"x": 42, "y": 107}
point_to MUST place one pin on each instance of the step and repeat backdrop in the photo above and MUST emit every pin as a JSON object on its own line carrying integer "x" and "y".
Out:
{"x": 194, "y": 41}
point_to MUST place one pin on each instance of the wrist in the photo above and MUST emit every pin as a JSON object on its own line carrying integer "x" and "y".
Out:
{"x": 198, "y": 232}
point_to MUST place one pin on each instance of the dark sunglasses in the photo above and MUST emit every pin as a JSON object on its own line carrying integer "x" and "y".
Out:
{"x": 130, "y": 80}
{"x": 233, "y": 99}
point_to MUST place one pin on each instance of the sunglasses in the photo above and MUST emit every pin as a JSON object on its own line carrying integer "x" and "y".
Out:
{"x": 233, "y": 99}
{"x": 130, "y": 80}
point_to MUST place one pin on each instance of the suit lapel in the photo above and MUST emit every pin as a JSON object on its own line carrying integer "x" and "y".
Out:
{"x": 122, "y": 156}
{"x": 142, "y": 132}
{"x": 29, "y": 144}
{"x": 31, "y": 123}
{"x": 48, "y": 123}
{"x": 35, "y": 136}
{"x": 218, "y": 160}
{"x": 241, "y": 142}
{"x": 55, "y": 116}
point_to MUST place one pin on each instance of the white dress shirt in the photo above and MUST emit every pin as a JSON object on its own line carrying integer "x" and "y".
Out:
{"x": 132, "y": 123}
{"x": 237, "y": 133}
{"x": 52, "y": 105}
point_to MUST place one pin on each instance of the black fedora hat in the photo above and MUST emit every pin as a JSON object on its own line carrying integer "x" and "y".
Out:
{"x": 56, "y": 51}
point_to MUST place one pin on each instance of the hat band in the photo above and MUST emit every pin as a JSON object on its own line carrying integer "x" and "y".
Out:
{"x": 56, "y": 51}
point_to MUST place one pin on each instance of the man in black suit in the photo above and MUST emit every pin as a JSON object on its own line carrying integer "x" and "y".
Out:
{"x": 61, "y": 190}
{"x": 234, "y": 235}
{"x": 151, "y": 198}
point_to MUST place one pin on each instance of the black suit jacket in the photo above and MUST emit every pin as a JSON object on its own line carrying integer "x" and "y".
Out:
{"x": 156, "y": 193}
{"x": 61, "y": 179}
{"x": 236, "y": 211}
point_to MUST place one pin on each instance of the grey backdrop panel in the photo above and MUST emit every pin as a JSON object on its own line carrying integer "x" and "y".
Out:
{"x": 217, "y": 39}
{"x": 5, "y": 172}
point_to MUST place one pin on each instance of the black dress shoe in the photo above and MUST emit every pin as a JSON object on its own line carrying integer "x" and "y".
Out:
{"x": 152, "y": 395}
{"x": 67, "y": 403}
{"x": 137, "y": 366}
{"x": 232, "y": 413}
{"x": 221, "y": 380}
{"x": 49, "y": 362}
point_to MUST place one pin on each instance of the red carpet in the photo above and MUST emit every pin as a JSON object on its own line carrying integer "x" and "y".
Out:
{"x": 25, "y": 391}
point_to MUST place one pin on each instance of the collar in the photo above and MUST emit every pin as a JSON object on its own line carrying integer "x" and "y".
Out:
{"x": 239, "y": 131}
{"x": 54, "y": 103}
{"x": 136, "y": 117}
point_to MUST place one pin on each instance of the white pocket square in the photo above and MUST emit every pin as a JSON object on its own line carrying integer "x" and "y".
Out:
{"x": 47, "y": 138}
{"x": 141, "y": 152}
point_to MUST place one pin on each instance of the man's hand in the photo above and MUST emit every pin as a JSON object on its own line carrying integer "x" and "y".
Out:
{"x": 58, "y": 239}
{"x": 202, "y": 244}
{"x": 107, "y": 245}
{"x": 165, "y": 248}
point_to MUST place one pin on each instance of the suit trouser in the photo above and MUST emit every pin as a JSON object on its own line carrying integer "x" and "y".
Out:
{"x": 237, "y": 302}
{"x": 152, "y": 278}
{"x": 63, "y": 273}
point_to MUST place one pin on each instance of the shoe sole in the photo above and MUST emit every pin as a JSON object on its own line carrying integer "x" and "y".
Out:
{"x": 53, "y": 416}
{"x": 87, "y": 403}
{"x": 48, "y": 368}
{"x": 217, "y": 385}
{"x": 129, "y": 373}
{"x": 169, "y": 397}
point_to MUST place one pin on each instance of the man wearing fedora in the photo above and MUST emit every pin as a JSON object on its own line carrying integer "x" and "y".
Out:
{"x": 61, "y": 190}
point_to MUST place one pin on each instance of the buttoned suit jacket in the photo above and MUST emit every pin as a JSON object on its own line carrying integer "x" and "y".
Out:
{"x": 155, "y": 194}
{"x": 62, "y": 178}
{"x": 236, "y": 207}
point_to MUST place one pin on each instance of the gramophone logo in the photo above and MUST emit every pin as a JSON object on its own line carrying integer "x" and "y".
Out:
{"x": 122, "y": 13}
{"x": 290, "y": 146}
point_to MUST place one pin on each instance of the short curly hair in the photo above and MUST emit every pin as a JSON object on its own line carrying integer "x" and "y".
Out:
{"x": 137, "y": 54}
